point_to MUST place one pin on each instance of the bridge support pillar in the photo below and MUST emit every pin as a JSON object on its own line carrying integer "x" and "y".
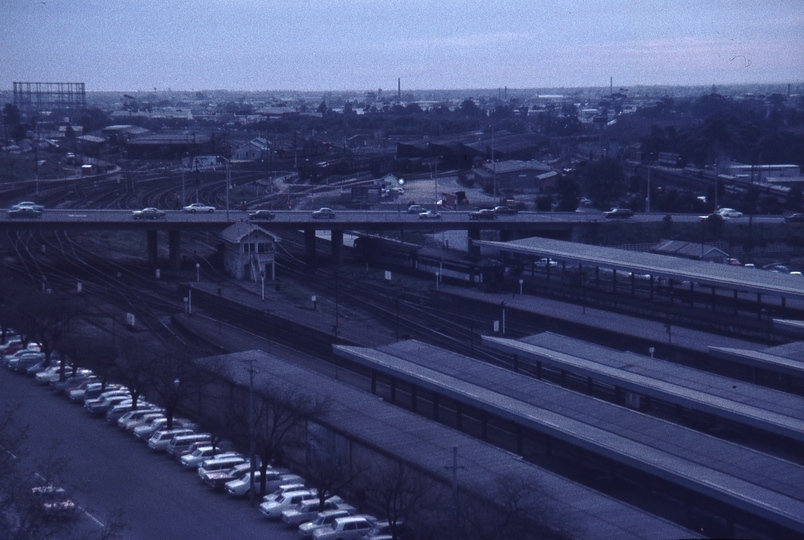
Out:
{"x": 474, "y": 234}
{"x": 309, "y": 245}
{"x": 174, "y": 241}
{"x": 337, "y": 246}
{"x": 152, "y": 247}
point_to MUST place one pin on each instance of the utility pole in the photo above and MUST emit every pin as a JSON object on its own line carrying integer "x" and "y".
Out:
{"x": 252, "y": 457}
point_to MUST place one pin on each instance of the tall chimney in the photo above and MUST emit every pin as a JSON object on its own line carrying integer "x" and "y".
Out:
{"x": 399, "y": 89}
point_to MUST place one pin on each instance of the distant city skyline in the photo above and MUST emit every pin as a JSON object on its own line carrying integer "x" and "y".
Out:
{"x": 361, "y": 45}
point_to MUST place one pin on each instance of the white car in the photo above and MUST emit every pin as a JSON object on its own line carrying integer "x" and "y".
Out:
{"x": 307, "y": 510}
{"x": 195, "y": 458}
{"x": 322, "y": 519}
{"x": 198, "y": 207}
{"x": 429, "y": 214}
{"x": 729, "y": 213}
{"x": 345, "y": 528}
{"x": 281, "y": 490}
{"x": 274, "y": 509}
{"x": 240, "y": 487}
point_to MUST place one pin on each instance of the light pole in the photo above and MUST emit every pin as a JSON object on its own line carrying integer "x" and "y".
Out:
{"x": 198, "y": 271}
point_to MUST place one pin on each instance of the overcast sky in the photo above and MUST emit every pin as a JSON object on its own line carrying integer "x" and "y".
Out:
{"x": 430, "y": 44}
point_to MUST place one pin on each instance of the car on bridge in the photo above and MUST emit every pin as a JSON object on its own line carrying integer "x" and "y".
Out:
{"x": 619, "y": 213}
{"x": 429, "y": 214}
{"x": 729, "y": 213}
{"x": 198, "y": 207}
{"x": 28, "y": 204}
{"x": 148, "y": 213}
{"x": 24, "y": 212}
{"x": 794, "y": 218}
{"x": 483, "y": 213}
{"x": 416, "y": 209}
{"x": 261, "y": 215}
{"x": 324, "y": 213}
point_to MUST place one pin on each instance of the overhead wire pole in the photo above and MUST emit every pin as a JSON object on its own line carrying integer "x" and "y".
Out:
{"x": 252, "y": 459}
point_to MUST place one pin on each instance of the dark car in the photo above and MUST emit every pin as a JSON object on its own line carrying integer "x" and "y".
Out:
{"x": 483, "y": 213}
{"x": 795, "y": 218}
{"x": 148, "y": 213}
{"x": 261, "y": 215}
{"x": 619, "y": 213}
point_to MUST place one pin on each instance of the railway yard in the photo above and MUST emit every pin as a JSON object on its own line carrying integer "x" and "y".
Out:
{"x": 606, "y": 383}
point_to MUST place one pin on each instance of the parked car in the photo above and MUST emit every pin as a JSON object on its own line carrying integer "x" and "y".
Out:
{"x": 70, "y": 383}
{"x": 345, "y": 528}
{"x": 148, "y": 213}
{"x": 429, "y": 214}
{"x": 322, "y": 519}
{"x": 218, "y": 479}
{"x": 124, "y": 407}
{"x": 324, "y": 213}
{"x": 544, "y": 262}
{"x": 195, "y": 458}
{"x": 92, "y": 389}
{"x": 276, "y": 478}
{"x": 161, "y": 438}
{"x": 261, "y": 215}
{"x": 219, "y": 463}
{"x": 483, "y": 213}
{"x": 273, "y": 509}
{"x": 50, "y": 373}
{"x": 24, "y": 359}
{"x": 307, "y": 510}
{"x": 138, "y": 415}
{"x": 102, "y": 406}
{"x": 54, "y": 502}
{"x": 179, "y": 444}
{"x": 416, "y": 209}
{"x": 284, "y": 488}
{"x": 240, "y": 487}
{"x": 619, "y": 213}
{"x": 198, "y": 207}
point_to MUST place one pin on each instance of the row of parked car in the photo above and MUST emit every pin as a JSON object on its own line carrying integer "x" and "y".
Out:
{"x": 216, "y": 463}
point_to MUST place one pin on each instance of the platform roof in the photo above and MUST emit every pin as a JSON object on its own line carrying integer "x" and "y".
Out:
{"x": 429, "y": 445}
{"x": 662, "y": 266}
{"x": 772, "y": 359}
{"x": 753, "y": 482}
{"x": 717, "y": 395}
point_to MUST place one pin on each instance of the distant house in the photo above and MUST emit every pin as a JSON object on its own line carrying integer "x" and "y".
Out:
{"x": 254, "y": 150}
{"x": 249, "y": 252}
{"x": 515, "y": 175}
{"x": 691, "y": 250}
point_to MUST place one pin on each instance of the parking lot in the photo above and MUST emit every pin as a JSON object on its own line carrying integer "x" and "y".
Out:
{"x": 108, "y": 471}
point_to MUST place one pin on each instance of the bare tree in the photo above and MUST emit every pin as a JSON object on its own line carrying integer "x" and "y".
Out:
{"x": 175, "y": 377}
{"x": 513, "y": 508}
{"x": 402, "y": 492}
{"x": 48, "y": 319}
{"x": 131, "y": 366}
{"x": 330, "y": 473}
{"x": 279, "y": 423}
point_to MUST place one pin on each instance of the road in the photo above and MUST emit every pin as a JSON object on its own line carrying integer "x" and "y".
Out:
{"x": 109, "y": 471}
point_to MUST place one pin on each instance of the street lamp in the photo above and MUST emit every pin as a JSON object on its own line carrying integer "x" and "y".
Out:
{"x": 198, "y": 271}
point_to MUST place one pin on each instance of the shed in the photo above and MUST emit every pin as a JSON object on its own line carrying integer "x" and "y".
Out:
{"x": 691, "y": 250}
{"x": 249, "y": 251}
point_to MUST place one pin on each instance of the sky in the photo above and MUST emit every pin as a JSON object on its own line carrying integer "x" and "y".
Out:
{"x": 361, "y": 45}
